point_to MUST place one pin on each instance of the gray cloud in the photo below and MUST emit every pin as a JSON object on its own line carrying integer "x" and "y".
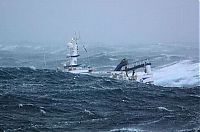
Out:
{"x": 106, "y": 21}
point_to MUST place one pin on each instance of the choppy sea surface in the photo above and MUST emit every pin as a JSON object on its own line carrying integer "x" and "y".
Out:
{"x": 35, "y": 97}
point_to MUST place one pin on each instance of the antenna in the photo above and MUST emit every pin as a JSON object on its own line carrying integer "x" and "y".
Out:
{"x": 87, "y": 55}
{"x": 75, "y": 35}
{"x": 79, "y": 36}
{"x": 84, "y": 48}
{"x": 44, "y": 57}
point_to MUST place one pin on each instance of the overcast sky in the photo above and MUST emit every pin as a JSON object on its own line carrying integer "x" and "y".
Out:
{"x": 106, "y": 21}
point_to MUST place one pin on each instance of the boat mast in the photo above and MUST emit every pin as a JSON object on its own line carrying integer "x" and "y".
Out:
{"x": 73, "y": 49}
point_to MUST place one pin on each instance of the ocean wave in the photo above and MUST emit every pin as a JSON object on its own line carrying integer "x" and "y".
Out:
{"x": 9, "y": 47}
{"x": 127, "y": 130}
{"x": 163, "y": 108}
{"x": 183, "y": 73}
{"x": 55, "y": 101}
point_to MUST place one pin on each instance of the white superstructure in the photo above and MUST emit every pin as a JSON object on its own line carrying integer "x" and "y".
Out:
{"x": 73, "y": 66}
{"x": 73, "y": 49}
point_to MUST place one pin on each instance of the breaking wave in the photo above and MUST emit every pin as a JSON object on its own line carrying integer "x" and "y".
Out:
{"x": 183, "y": 73}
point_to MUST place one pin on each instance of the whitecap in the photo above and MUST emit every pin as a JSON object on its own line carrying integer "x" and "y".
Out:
{"x": 20, "y": 105}
{"x": 127, "y": 130}
{"x": 32, "y": 67}
{"x": 113, "y": 59}
{"x": 89, "y": 112}
{"x": 29, "y": 104}
{"x": 9, "y": 48}
{"x": 41, "y": 107}
{"x": 42, "y": 111}
{"x": 163, "y": 108}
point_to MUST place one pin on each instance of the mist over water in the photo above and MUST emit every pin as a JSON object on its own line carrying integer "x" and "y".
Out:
{"x": 166, "y": 59}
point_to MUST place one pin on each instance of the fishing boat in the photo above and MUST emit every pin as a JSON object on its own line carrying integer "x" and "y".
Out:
{"x": 139, "y": 71}
{"x": 73, "y": 66}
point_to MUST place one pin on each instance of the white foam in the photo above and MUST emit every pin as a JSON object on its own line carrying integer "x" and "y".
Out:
{"x": 9, "y": 47}
{"x": 126, "y": 129}
{"x": 20, "y": 105}
{"x": 180, "y": 74}
{"x": 89, "y": 112}
{"x": 113, "y": 59}
{"x": 42, "y": 111}
{"x": 163, "y": 108}
{"x": 32, "y": 67}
